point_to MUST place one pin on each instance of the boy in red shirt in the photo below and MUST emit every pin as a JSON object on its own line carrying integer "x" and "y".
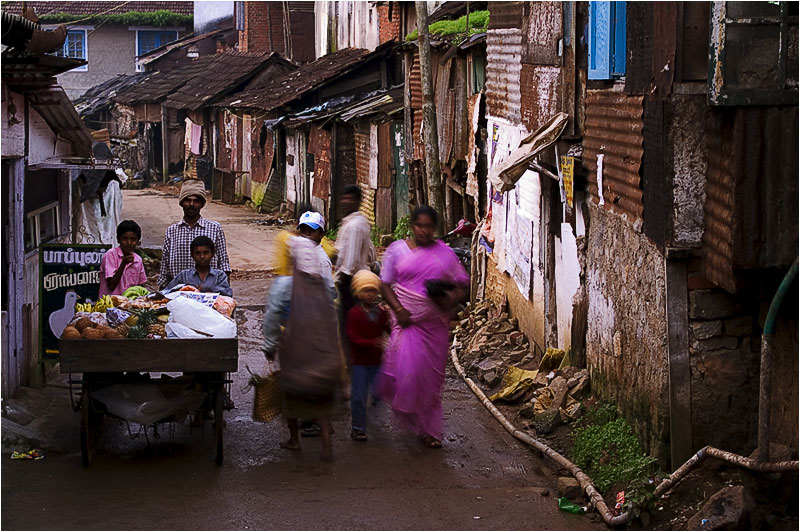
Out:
{"x": 366, "y": 324}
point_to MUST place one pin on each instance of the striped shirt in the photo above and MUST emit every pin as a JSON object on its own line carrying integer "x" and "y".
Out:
{"x": 177, "y": 254}
{"x": 356, "y": 251}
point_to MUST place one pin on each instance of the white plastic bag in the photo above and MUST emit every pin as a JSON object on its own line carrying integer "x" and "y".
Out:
{"x": 176, "y": 330}
{"x": 200, "y": 318}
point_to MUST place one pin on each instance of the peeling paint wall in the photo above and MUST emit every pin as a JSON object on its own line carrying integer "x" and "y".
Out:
{"x": 626, "y": 338}
{"x": 686, "y": 157}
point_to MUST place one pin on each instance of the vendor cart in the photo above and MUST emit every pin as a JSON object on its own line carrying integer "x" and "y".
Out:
{"x": 103, "y": 363}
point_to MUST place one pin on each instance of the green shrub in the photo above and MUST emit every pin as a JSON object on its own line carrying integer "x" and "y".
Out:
{"x": 332, "y": 233}
{"x": 478, "y": 22}
{"x": 375, "y": 235}
{"x": 608, "y": 450}
{"x": 159, "y": 18}
{"x": 403, "y": 228}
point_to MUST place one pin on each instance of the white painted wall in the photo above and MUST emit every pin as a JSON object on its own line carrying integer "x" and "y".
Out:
{"x": 357, "y": 25}
{"x": 43, "y": 143}
{"x": 13, "y": 143}
{"x": 209, "y": 15}
{"x": 567, "y": 283}
{"x": 291, "y": 169}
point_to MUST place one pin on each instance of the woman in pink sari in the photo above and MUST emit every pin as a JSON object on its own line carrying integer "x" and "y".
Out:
{"x": 422, "y": 277}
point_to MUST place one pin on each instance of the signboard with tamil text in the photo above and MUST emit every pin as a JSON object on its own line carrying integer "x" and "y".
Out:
{"x": 68, "y": 274}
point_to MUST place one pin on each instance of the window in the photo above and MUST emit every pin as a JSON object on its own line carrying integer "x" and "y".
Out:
{"x": 42, "y": 225}
{"x": 148, "y": 40}
{"x": 606, "y": 40}
{"x": 753, "y": 59}
{"x": 75, "y": 47}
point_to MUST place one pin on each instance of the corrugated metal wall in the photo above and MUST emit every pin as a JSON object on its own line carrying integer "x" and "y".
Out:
{"x": 505, "y": 15}
{"x": 614, "y": 128}
{"x": 444, "y": 111}
{"x": 319, "y": 144}
{"x": 504, "y": 49}
{"x": 415, "y": 86}
{"x": 540, "y": 93}
{"x": 504, "y": 55}
{"x": 362, "y": 173}
{"x": 751, "y": 188}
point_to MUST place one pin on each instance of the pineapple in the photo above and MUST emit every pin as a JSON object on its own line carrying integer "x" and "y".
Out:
{"x": 123, "y": 330}
{"x": 145, "y": 317}
{"x": 138, "y": 332}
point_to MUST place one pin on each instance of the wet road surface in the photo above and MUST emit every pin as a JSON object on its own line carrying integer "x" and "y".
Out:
{"x": 481, "y": 479}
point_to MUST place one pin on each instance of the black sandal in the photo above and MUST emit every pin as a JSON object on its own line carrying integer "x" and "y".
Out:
{"x": 358, "y": 435}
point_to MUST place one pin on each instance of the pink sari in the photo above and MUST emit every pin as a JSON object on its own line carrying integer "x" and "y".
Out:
{"x": 412, "y": 375}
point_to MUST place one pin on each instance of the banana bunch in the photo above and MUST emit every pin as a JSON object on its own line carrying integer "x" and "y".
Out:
{"x": 101, "y": 305}
{"x": 83, "y": 307}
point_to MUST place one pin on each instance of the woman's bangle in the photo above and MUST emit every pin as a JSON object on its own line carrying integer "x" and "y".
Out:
{"x": 396, "y": 310}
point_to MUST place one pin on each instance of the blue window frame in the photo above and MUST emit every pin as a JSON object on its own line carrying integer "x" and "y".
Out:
{"x": 606, "y": 40}
{"x": 148, "y": 40}
{"x": 75, "y": 47}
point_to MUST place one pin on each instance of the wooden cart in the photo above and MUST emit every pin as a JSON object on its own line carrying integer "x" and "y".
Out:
{"x": 102, "y": 362}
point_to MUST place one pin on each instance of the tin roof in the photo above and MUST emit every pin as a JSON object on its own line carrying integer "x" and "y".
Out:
{"x": 101, "y": 96}
{"x": 223, "y": 73}
{"x": 95, "y": 8}
{"x": 195, "y": 84}
{"x": 305, "y": 79}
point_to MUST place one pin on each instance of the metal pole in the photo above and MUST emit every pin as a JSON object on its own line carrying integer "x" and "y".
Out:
{"x": 429, "y": 124}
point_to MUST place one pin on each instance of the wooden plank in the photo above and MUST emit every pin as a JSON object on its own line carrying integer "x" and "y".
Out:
{"x": 680, "y": 384}
{"x": 86, "y": 356}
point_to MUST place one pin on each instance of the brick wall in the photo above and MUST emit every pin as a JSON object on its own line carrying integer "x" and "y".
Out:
{"x": 263, "y": 28}
{"x": 389, "y": 29}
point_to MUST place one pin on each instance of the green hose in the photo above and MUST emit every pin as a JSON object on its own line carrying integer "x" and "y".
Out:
{"x": 772, "y": 315}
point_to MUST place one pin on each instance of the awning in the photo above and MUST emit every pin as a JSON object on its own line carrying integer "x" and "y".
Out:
{"x": 505, "y": 175}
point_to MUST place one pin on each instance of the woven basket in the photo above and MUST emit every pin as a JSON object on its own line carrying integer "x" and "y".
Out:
{"x": 267, "y": 402}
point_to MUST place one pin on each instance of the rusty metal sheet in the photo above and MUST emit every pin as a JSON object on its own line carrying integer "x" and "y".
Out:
{"x": 385, "y": 165}
{"x": 415, "y": 87}
{"x": 751, "y": 189}
{"x": 540, "y": 94}
{"x": 444, "y": 111}
{"x": 504, "y": 65}
{"x": 383, "y": 208}
{"x": 473, "y": 113}
{"x": 505, "y": 15}
{"x": 460, "y": 121}
{"x": 319, "y": 144}
{"x": 544, "y": 30}
{"x": 261, "y": 155}
{"x": 614, "y": 128}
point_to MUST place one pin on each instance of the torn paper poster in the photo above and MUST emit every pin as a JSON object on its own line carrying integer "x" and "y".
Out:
{"x": 600, "y": 178}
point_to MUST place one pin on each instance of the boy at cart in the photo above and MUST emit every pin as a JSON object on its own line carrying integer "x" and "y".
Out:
{"x": 121, "y": 267}
{"x": 203, "y": 277}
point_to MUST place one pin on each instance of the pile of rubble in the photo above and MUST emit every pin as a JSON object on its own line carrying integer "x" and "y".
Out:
{"x": 546, "y": 390}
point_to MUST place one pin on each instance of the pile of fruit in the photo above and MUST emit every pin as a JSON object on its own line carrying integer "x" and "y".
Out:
{"x": 137, "y": 314}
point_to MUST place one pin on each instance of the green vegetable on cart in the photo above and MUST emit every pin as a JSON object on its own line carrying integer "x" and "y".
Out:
{"x": 136, "y": 291}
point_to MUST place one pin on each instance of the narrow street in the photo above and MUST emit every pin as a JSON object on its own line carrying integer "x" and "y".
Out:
{"x": 481, "y": 479}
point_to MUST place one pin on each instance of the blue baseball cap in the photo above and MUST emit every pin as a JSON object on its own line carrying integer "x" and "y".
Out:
{"x": 312, "y": 219}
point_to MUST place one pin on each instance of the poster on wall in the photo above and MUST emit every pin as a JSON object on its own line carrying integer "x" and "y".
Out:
{"x": 519, "y": 245}
{"x": 567, "y": 174}
{"x": 68, "y": 274}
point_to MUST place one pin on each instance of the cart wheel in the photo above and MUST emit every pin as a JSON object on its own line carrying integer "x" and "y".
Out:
{"x": 86, "y": 426}
{"x": 219, "y": 423}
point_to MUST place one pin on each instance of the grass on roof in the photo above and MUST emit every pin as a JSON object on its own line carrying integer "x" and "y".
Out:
{"x": 457, "y": 29}
{"x": 159, "y": 18}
